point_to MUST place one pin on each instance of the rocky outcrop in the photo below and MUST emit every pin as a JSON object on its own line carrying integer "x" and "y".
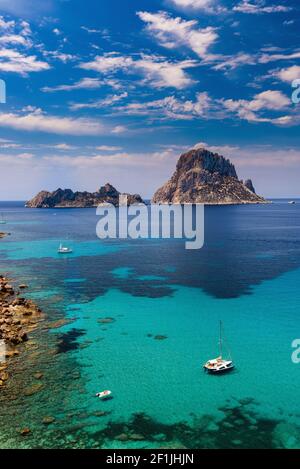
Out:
{"x": 248, "y": 183}
{"x": 18, "y": 317}
{"x": 205, "y": 177}
{"x": 66, "y": 198}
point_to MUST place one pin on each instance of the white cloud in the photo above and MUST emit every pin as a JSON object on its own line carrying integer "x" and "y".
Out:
{"x": 17, "y": 33}
{"x": 37, "y": 121}
{"x": 158, "y": 71}
{"x": 108, "y": 148}
{"x": 59, "y": 55}
{"x": 175, "y": 32}
{"x": 193, "y": 4}
{"x": 232, "y": 62}
{"x": 253, "y": 110}
{"x": 264, "y": 107}
{"x": 15, "y": 39}
{"x": 119, "y": 129}
{"x": 9, "y": 145}
{"x": 100, "y": 103}
{"x": 84, "y": 83}
{"x": 16, "y": 62}
{"x": 266, "y": 58}
{"x": 288, "y": 74}
{"x": 63, "y": 147}
{"x": 171, "y": 108}
{"x": 259, "y": 7}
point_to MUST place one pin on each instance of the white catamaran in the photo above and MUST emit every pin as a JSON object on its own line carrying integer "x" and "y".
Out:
{"x": 219, "y": 364}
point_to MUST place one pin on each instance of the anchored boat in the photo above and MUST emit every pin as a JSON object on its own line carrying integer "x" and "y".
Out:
{"x": 64, "y": 249}
{"x": 104, "y": 394}
{"x": 219, "y": 365}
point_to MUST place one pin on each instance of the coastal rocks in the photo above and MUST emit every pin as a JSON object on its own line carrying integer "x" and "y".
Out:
{"x": 33, "y": 389}
{"x": 25, "y": 431}
{"x": 59, "y": 323}
{"x": 18, "y": 317}
{"x": 106, "y": 320}
{"x": 48, "y": 420}
{"x": 66, "y": 198}
{"x": 207, "y": 178}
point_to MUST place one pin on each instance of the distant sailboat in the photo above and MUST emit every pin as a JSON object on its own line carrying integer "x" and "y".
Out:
{"x": 220, "y": 364}
{"x": 2, "y": 221}
{"x": 64, "y": 249}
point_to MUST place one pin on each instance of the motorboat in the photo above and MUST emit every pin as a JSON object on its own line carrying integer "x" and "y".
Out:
{"x": 104, "y": 395}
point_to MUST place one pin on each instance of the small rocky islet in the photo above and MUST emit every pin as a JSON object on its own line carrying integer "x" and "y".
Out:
{"x": 66, "y": 198}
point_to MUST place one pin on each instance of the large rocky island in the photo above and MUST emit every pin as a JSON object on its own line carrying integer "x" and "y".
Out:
{"x": 66, "y": 198}
{"x": 205, "y": 177}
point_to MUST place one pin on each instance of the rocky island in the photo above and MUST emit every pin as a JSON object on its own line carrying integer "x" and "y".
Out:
{"x": 207, "y": 178}
{"x": 66, "y": 198}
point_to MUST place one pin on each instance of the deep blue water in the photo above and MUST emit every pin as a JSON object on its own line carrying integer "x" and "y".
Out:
{"x": 247, "y": 274}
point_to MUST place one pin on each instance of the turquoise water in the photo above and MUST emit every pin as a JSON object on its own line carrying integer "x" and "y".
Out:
{"x": 142, "y": 319}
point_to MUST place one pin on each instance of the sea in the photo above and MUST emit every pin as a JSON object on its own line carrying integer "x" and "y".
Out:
{"x": 140, "y": 318}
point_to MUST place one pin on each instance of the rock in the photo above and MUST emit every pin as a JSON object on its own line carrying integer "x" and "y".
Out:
{"x": 160, "y": 337}
{"x": 100, "y": 413}
{"x": 38, "y": 375}
{"x": 25, "y": 431}
{"x": 122, "y": 437}
{"x": 286, "y": 436}
{"x": 48, "y": 420}
{"x": 4, "y": 376}
{"x": 136, "y": 437}
{"x": 68, "y": 198}
{"x": 58, "y": 324}
{"x": 249, "y": 185}
{"x": 23, "y": 285}
{"x": 205, "y": 177}
{"x": 33, "y": 389}
{"x": 106, "y": 320}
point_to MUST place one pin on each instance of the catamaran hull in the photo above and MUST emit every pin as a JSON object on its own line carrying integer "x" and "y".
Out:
{"x": 218, "y": 372}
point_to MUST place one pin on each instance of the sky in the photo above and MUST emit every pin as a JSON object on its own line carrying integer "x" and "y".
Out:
{"x": 115, "y": 90}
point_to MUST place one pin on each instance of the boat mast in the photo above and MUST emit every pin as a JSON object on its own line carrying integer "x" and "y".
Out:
{"x": 220, "y": 342}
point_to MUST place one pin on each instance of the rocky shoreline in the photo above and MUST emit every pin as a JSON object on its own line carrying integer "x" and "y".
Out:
{"x": 18, "y": 317}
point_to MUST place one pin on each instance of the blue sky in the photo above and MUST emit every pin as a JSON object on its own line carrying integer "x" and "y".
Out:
{"x": 115, "y": 90}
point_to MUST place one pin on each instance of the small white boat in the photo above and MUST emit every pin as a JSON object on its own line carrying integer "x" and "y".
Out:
{"x": 292, "y": 202}
{"x": 64, "y": 249}
{"x": 104, "y": 394}
{"x": 2, "y": 221}
{"x": 219, "y": 364}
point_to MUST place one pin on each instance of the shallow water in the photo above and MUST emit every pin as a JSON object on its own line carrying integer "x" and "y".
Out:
{"x": 143, "y": 317}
